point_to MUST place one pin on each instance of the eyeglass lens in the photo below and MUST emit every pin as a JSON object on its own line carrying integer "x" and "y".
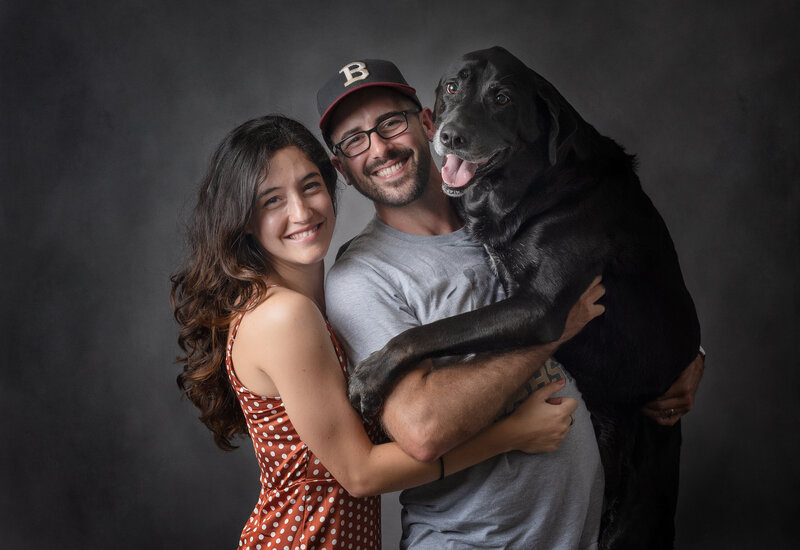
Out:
{"x": 387, "y": 128}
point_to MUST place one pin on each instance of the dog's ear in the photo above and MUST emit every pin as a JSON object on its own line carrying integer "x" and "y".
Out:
{"x": 564, "y": 122}
{"x": 438, "y": 104}
{"x": 552, "y": 138}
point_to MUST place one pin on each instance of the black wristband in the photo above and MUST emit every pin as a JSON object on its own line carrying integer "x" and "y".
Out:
{"x": 441, "y": 467}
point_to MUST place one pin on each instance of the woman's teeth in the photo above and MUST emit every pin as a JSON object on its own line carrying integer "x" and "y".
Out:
{"x": 304, "y": 234}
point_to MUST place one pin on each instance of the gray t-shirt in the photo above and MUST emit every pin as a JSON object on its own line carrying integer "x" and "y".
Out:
{"x": 388, "y": 281}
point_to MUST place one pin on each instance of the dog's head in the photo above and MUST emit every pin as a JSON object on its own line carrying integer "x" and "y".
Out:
{"x": 490, "y": 108}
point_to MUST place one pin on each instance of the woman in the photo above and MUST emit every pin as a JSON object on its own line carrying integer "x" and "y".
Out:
{"x": 261, "y": 360}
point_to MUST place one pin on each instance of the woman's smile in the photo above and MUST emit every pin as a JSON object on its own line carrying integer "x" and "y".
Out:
{"x": 306, "y": 234}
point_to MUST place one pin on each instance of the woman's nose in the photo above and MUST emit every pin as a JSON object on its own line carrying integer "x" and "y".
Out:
{"x": 299, "y": 209}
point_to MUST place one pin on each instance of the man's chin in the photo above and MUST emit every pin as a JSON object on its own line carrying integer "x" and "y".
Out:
{"x": 397, "y": 200}
{"x": 402, "y": 193}
{"x": 397, "y": 193}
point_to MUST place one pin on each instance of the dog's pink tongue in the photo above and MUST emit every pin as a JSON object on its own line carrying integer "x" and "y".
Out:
{"x": 457, "y": 172}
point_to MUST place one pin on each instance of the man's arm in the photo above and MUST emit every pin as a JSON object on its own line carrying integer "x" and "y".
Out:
{"x": 431, "y": 410}
{"x": 679, "y": 399}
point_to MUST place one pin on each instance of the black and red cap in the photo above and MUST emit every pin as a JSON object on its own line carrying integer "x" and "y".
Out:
{"x": 358, "y": 75}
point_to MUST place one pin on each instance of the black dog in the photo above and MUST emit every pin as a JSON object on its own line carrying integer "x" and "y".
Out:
{"x": 555, "y": 203}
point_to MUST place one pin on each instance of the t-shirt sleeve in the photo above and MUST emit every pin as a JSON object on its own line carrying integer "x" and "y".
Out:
{"x": 364, "y": 308}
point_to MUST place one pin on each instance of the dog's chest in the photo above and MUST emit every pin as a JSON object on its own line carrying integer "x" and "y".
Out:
{"x": 508, "y": 274}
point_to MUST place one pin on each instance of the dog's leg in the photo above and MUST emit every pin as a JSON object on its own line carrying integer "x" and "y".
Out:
{"x": 642, "y": 469}
{"x": 522, "y": 320}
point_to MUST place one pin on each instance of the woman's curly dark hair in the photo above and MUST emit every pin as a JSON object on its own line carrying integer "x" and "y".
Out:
{"x": 226, "y": 269}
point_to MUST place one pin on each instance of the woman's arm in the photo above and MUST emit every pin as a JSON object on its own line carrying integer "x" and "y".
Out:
{"x": 286, "y": 341}
{"x": 535, "y": 427}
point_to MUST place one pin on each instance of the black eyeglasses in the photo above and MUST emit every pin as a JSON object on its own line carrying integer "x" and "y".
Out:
{"x": 392, "y": 126}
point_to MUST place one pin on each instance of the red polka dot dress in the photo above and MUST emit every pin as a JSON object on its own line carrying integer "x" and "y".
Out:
{"x": 301, "y": 506}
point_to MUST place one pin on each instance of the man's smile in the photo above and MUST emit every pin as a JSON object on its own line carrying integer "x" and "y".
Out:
{"x": 390, "y": 170}
{"x": 393, "y": 164}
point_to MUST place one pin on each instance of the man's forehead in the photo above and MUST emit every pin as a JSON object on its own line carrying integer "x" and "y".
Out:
{"x": 361, "y": 109}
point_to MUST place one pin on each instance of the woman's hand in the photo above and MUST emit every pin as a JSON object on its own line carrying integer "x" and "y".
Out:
{"x": 541, "y": 422}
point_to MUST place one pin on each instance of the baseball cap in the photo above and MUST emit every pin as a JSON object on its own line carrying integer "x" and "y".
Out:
{"x": 357, "y": 75}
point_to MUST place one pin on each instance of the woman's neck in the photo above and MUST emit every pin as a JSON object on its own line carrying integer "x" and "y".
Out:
{"x": 308, "y": 280}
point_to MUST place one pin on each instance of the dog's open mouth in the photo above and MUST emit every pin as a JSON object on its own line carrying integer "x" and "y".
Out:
{"x": 458, "y": 173}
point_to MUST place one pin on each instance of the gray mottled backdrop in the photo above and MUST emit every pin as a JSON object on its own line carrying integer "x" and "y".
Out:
{"x": 110, "y": 111}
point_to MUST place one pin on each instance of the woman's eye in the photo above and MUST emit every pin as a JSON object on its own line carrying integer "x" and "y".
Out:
{"x": 272, "y": 201}
{"x": 312, "y": 186}
{"x": 501, "y": 99}
{"x": 451, "y": 87}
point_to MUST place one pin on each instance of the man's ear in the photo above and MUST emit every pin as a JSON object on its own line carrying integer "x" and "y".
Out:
{"x": 426, "y": 119}
{"x": 339, "y": 168}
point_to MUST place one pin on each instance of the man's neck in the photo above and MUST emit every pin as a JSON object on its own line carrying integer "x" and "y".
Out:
{"x": 431, "y": 214}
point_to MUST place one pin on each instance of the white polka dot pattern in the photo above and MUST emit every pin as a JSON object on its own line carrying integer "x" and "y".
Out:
{"x": 301, "y": 506}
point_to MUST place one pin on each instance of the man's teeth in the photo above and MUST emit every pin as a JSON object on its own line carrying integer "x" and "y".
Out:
{"x": 303, "y": 234}
{"x": 389, "y": 170}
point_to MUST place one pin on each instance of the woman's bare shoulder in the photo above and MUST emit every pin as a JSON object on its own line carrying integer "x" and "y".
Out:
{"x": 283, "y": 314}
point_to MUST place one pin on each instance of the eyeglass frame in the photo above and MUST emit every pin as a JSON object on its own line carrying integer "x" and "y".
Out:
{"x": 338, "y": 146}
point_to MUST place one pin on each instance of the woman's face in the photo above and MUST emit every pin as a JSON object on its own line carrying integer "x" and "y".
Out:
{"x": 293, "y": 217}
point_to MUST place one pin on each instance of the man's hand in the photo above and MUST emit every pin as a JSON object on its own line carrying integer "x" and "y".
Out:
{"x": 679, "y": 399}
{"x": 584, "y": 310}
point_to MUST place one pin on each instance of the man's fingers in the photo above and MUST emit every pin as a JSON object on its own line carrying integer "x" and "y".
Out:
{"x": 667, "y": 411}
{"x": 595, "y": 290}
{"x": 592, "y": 295}
{"x": 663, "y": 419}
{"x": 670, "y": 403}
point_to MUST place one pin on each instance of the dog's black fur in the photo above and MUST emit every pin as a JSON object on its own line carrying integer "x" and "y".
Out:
{"x": 555, "y": 204}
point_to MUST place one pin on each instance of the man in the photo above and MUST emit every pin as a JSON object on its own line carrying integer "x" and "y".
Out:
{"x": 413, "y": 264}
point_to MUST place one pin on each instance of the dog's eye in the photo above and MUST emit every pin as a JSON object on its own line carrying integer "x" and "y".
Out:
{"x": 451, "y": 87}
{"x": 501, "y": 99}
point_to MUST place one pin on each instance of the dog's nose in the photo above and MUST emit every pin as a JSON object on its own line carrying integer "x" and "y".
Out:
{"x": 452, "y": 137}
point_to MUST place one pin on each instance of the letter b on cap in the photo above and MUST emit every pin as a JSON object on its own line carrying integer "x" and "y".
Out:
{"x": 354, "y": 72}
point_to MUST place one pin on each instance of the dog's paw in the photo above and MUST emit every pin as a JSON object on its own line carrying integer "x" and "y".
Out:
{"x": 368, "y": 384}
{"x": 364, "y": 401}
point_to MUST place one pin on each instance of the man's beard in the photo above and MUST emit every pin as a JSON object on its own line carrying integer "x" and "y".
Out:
{"x": 383, "y": 195}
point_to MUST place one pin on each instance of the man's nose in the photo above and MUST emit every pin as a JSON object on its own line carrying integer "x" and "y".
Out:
{"x": 378, "y": 145}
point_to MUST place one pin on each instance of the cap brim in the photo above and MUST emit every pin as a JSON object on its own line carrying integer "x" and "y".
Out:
{"x": 406, "y": 90}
